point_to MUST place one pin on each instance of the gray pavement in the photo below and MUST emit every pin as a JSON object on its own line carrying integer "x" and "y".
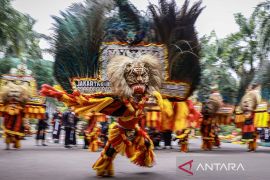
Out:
{"x": 54, "y": 162}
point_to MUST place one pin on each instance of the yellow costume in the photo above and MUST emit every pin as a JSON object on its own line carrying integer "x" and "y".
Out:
{"x": 18, "y": 100}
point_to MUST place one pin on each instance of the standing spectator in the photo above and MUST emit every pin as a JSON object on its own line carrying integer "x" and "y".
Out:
{"x": 266, "y": 135}
{"x": 41, "y": 130}
{"x": 85, "y": 133}
{"x": 167, "y": 136}
{"x": 57, "y": 123}
{"x": 70, "y": 121}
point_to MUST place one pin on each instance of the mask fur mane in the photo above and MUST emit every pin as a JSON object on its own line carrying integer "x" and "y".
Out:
{"x": 116, "y": 69}
{"x": 13, "y": 91}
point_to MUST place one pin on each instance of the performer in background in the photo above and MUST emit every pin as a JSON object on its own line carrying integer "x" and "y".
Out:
{"x": 13, "y": 97}
{"x": 57, "y": 124}
{"x": 85, "y": 138}
{"x": 42, "y": 125}
{"x": 155, "y": 136}
{"x": 19, "y": 101}
{"x": 208, "y": 126}
{"x": 248, "y": 105}
{"x": 70, "y": 121}
{"x": 185, "y": 116}
{"x": 93, "y": 138}
{"x": 96, "y": 131}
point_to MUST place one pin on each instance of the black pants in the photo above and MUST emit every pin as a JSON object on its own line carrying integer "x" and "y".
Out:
{"x": 70, "y": 138}
{"x": 57, "y": 135}
{"x": 86, "y": 142}
{"x": 40, "y": 134}
{"x": 167, "y": 136}
{"x": 156, "y": 142}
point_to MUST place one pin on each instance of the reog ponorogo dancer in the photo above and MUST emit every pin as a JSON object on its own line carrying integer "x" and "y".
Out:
{"x": 133, "y": 75}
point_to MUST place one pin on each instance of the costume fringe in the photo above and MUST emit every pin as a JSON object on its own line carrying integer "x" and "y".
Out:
{"x": 139, "y": 150}
{"x": 143, "y": 158}
{"x": 104, "y": 165}
{"x": 13, "y": 139}
{"x": 93, "y": 146}
{"x": 184, "y": 147}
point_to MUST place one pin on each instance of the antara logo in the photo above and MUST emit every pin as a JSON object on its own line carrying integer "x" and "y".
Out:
{"x": 182, "y": 167}
{"x": 187, "y": 167}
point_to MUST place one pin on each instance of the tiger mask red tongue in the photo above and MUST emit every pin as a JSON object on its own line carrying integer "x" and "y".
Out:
{"x": 138, "y": 88}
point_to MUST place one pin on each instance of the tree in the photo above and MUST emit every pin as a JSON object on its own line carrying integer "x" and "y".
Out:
{"x": 215, "y": 71}
{"x": 246, "y": 52}
{"x": 17, "y": 37}
{"x": 241, "y": 52}
{"x": 6, "y": 65}
{"x": 19, "y": 41}
{"x": 262, "y": 16}
{"x": 41, "y": 69}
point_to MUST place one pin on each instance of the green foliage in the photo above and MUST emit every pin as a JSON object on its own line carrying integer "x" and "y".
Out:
{"x": 215, "y": 71}
{"x": 6, "y": 65}
{"x": 42, "y": 72}
{"x": 17, "y": 37}
{"x": 246, "y": 53}
{"x": 227, "y": 129}
{"x": 41, "y": 69}
{"x": 262, "y": 17}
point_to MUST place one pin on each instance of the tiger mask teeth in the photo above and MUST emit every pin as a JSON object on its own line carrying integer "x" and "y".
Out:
{"x": 138, "y": 88}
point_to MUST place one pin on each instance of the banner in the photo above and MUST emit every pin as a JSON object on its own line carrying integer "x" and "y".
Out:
{"x": 111, "y": 49}
{"x": 91, "y": 86}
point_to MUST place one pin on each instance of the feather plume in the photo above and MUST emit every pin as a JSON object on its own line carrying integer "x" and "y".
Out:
{"x": 79, "y": 33}
{"x": 175, "y": 28}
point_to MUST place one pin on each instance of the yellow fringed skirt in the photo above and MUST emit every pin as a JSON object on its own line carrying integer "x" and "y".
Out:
{"x": 139, "y": 150}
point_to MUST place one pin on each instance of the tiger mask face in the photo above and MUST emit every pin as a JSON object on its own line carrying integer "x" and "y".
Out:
{"x": 137, "y": 77}
{"x": 134, "y": 76}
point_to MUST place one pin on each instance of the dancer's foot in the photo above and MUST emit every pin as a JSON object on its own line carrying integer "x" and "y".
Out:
{"x": 101, "y": 173}
{"x": 110, "y": 173}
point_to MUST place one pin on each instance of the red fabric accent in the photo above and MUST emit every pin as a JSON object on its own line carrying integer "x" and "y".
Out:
{"x": 195, "y": 115}
{"x": 8, "y": 122}
{"x": 248, "y": 128}
{"x": 142, "y": 123}
{"x": 18, "y": 124}
{"x": 76, "y": 93}
{"x": 47, "y": 90}
{"x": 131, "y": 124}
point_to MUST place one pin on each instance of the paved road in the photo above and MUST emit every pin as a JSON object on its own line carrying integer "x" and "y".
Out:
{"x": 55, "y": 162}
